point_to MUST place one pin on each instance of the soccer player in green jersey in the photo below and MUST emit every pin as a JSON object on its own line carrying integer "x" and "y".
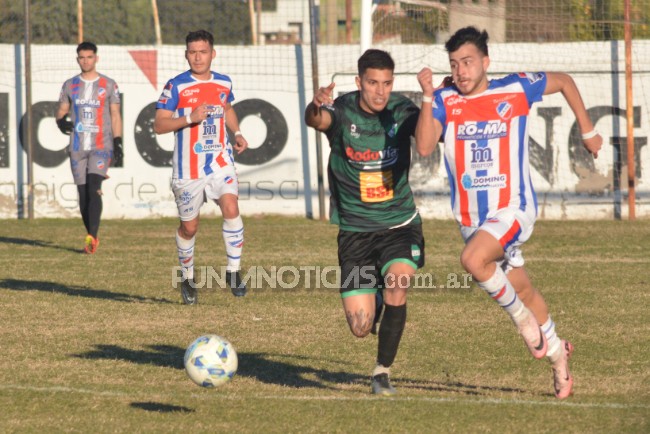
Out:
{"x": 380, "y": 242}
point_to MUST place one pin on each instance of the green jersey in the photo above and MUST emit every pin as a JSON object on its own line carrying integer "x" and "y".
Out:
{"x": 369, "y": 163}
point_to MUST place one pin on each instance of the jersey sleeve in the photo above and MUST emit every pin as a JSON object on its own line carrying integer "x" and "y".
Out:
{"x": 63, "y": 96}
{"x": 334, "y": 125}
{"x": 114, "y": 97}
{"x": 168, "y": 98}
{"x": 534, "y": 85}
{"x": 438, "y": 110}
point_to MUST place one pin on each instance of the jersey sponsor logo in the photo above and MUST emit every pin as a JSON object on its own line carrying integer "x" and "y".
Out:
{"x": 215, "y": 111}
{"x": 207, "y": 147}
{"x": 222, "y": 97}
{"x": 483, "y": 182}
{"x": 455, "y": 99}
{"x": 228, "y": 180}
{"x": 353, "y": 131}
{"x": 94, "y": 103}
{"x": 504, "y": 110}
{"x": 87, "y": 128}
{"x": 100, "y": 164}
{"x": 386, "y": 156}
{"x": 188, "y": 92}
{"x": 481, "y": 156}
{"x": 101, "y": 93}
{"x": 376, "y": 186}
{"x": 488, "y": 130}
{"x": 532, "y": 77}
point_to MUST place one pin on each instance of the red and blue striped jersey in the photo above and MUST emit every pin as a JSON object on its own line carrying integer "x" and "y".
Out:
{"x": 486, "y": 146}
{"x": 199, "y": 149}
{"x": 91, "y": 115}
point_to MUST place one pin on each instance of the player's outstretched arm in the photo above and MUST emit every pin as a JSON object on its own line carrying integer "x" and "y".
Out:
{"x": 428, "y": 129}
{"x": 314, "y": 116}
{"x": 562, "y": 82}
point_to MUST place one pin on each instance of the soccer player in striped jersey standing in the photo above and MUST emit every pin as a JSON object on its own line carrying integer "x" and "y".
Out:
{"x": 380, "y": 242}
{"x": 484, "y": 127}
{"x": 195, "y": 105}
{"x": 89, "y": 111}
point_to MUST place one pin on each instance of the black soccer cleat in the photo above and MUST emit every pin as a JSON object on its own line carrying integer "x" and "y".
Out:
{"x": 237, "y": 287}
{"x": 189, "y": 292}
{"x": 380, "y": 385}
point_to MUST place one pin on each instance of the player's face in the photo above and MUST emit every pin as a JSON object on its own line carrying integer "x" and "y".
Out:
{"x": 199, "y": 55}
{"x": 469, "y": 69}
{"x": 375, "y": 87}
{"x": 87, "y": 60}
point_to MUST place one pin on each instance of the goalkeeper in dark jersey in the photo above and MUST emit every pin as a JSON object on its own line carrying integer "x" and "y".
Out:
{"x": 380, "y": 242}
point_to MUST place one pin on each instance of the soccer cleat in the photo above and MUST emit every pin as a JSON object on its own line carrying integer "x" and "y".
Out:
{"x": 237, "y": 287}
{"x": 189, "y": 292}
{"x": 90, "y": 244}
{"x": 533, "y": 336}
{"x": 379, "y": 307}
{"x": 380, "y": 385}
{"x": 562, "y": 378}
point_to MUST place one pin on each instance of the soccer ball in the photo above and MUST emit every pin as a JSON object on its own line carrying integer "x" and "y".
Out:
{"x": 210, "y": 361}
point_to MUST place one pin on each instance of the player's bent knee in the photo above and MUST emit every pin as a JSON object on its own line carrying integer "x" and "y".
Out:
{"x": 360, "y": 331}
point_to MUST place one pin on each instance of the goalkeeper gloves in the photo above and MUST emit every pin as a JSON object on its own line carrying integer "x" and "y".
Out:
{"x": 65, "y": 125}
{"x": 118, "y": 153}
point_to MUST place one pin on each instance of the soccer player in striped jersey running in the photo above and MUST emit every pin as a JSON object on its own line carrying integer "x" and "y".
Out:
{"x": 484, "y": 126}
{"x": 196, "y": 106}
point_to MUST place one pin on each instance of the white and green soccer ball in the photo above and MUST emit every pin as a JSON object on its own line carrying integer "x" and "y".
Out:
{"x": 210, "y": 361}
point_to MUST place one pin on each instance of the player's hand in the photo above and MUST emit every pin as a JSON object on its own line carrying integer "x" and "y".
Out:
{"x": 241, "y": 144}
{"x": 324, "y": 96}
{"x": 118, "y": 152}
{"x": 425, "y": 78}
{"x": 201, "y": 113}
{"x": 65, "y": 125}
{"x": 594, "y": 144}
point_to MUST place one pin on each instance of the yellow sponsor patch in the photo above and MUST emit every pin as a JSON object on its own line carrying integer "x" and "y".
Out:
{"x": 376, "y": 186}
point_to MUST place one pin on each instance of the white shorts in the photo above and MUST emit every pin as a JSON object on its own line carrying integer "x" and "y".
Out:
{"x": 512, "y": 228}
{"x": 191, "y": 194}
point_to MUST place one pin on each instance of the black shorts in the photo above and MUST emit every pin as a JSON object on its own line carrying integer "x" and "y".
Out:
{"x": 364, "y": 257}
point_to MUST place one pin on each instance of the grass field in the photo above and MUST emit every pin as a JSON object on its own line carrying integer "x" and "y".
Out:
{"x": 96, "y": 343}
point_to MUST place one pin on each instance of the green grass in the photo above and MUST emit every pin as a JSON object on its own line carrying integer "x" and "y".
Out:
{"x": 96, "y": 343}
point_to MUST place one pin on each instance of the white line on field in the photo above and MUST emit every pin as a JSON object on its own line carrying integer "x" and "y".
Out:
{"x": 469, "y": 401}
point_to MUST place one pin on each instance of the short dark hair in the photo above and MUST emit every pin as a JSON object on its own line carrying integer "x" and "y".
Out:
{"x": 86, "y": 45}
{"x": 199, "y": 35}
{"x": 375, "y": 59}
{"x": 470, "y": 35}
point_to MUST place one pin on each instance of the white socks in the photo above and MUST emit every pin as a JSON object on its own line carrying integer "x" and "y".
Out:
{"x": 380, "y": 369}
{"x": 501, "y": 290}
{"x": 554, "y": 342}
{"x": 186, "y": 255}
{"x": 233, "y": 237}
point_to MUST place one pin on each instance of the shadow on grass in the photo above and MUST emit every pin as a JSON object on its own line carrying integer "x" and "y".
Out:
{"x": 284, "y": 370}
{"x": 454, "y": 386}
{"x": 38, "y": 243}
{"x": 167, "y": 356}
{"x": 76, "y": 291}
{"x": 161, "y": 408}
